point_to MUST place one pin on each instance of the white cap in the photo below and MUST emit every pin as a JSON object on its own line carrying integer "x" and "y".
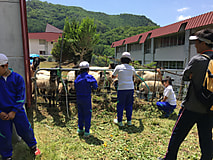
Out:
{"x": 84, "y": 64}
{"x": 201, "y": 39}
{"x": 3, "y": 59}
{"x": 126, "y": 55}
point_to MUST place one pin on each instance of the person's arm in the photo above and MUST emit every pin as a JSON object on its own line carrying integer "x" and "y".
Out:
{"x": 11, "y": 115}
{"x": 187, "y": 73}
{"x": 115, "y": 73}
{"x": 3, "y": 116}
{"x": 20, "y": 94}
{"x": 167, "y": 92}
{"x": 94, "y": 85}
{"x": 164, "y": 98}
{"x": 93, "y": 82}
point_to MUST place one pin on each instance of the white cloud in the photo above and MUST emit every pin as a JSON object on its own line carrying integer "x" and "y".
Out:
{"x": 181, "y": 17}
{"x": 182, "y": 9}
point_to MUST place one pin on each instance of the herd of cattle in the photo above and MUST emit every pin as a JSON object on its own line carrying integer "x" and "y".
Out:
{"x": 48, "y": 83}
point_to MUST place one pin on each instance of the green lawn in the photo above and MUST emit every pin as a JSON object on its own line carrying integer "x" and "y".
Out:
{"x": 147, "y": 139}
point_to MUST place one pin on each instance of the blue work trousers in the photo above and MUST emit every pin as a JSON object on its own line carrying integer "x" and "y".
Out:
{"x": 125, "y": 101}
{"x": 84, "y": 112}
{"x": 23, "y": 129}
{"x": 184, "y": 123}
{"x": 165, "y": 106}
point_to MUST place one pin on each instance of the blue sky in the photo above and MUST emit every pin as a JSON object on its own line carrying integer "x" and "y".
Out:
{"x": 162, "y": 12}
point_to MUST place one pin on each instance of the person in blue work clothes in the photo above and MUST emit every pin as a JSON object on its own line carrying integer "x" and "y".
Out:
{"x": 12, "y": 99}
{"x": 125, "y": 92}
{"x": 168, "y": 102}
{"x": 84, "y": 84}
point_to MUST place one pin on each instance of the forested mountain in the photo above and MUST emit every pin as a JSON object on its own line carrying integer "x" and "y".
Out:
{"x": 40, "y": 13}
{"x": 110, "y": 27}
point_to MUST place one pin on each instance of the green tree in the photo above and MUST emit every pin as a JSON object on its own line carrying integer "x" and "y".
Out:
{"x": 79, "y": 41}
{"x": 86, "y": 38}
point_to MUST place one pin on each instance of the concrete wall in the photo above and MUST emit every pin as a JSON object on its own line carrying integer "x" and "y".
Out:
{"x": 11, "y": 34}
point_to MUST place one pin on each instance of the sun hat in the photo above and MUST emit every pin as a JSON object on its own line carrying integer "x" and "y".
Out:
{"x": 84, "y": 64}
{"x": 205, "y": 35}
{"x": 166, "y": 79}
{"x": 126, "y": 55}
{"x": 3, "y": 59}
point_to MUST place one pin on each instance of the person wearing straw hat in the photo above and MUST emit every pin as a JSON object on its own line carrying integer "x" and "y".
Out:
{"x": 193, "y": 111}
{"x": 125, "y": 91}
{"x": 12, "y": 98}
{"x": 84, "y": 84}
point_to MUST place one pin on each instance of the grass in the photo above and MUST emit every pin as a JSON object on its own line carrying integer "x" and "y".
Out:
{"x": 147, "y": 139}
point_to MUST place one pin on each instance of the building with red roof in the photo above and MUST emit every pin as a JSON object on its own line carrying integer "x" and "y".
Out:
{"x": 42, "y": 43}
{"x": 168, "y": 46}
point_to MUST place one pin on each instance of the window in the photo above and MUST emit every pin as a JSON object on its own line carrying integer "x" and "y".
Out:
{"x": 42, "y": 52}
{"x": 170, "y": 64}
{"x": 172, "y": 40}
{"x": 42, "y": 41}
{"x": 147, "y": 46}
{"x": 134, "y": 47}
{"x": 121, "y": 49}
{"x": 181, "y": 38}
{"x": 179, "y": 64}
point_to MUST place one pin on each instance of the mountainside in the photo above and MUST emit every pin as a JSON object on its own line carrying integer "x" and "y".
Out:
{"x": 40, "y": 13}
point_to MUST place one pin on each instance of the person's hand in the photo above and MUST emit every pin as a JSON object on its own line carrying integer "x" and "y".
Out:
{"x": 11, "y": 115}
{"x": 4, "y": 116}
{"x": 190, "y": 76}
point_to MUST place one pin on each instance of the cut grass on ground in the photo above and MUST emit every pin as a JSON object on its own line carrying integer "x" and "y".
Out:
{"x": 147, "y": 139}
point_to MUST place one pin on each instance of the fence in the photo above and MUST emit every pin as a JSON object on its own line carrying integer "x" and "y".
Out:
{"x": 68, "y": 94}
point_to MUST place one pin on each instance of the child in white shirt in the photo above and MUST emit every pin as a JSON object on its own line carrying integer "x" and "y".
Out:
{"x": 168, "y": 103}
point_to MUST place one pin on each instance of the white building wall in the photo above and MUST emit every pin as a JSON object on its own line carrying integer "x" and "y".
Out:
{"x": 35, "y": 47}
{"x": 174, "y": 53}
{"x": 50, "y": 47}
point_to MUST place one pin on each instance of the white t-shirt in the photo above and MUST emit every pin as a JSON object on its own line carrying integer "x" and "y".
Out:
{"x": 125, "y": 74}
{"x": 168, "y": 92}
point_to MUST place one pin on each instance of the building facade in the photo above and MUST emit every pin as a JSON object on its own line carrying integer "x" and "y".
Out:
{"x": 169, "y": 46}
{"x": 42, "y": 43}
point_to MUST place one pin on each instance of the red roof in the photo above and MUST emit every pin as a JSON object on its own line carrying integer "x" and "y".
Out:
{"x": 48, "y": 36}
{"x": 202, "y": 20}
{"x": 50, "y": 28}
{"x": 132, "y": 39}
{"x": 118, "y": 43}
{"x": 194, "y": 22}
{"x": 144, "y": 36}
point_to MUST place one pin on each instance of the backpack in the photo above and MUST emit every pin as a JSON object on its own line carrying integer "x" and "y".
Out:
{"x": 205, "y": 95}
